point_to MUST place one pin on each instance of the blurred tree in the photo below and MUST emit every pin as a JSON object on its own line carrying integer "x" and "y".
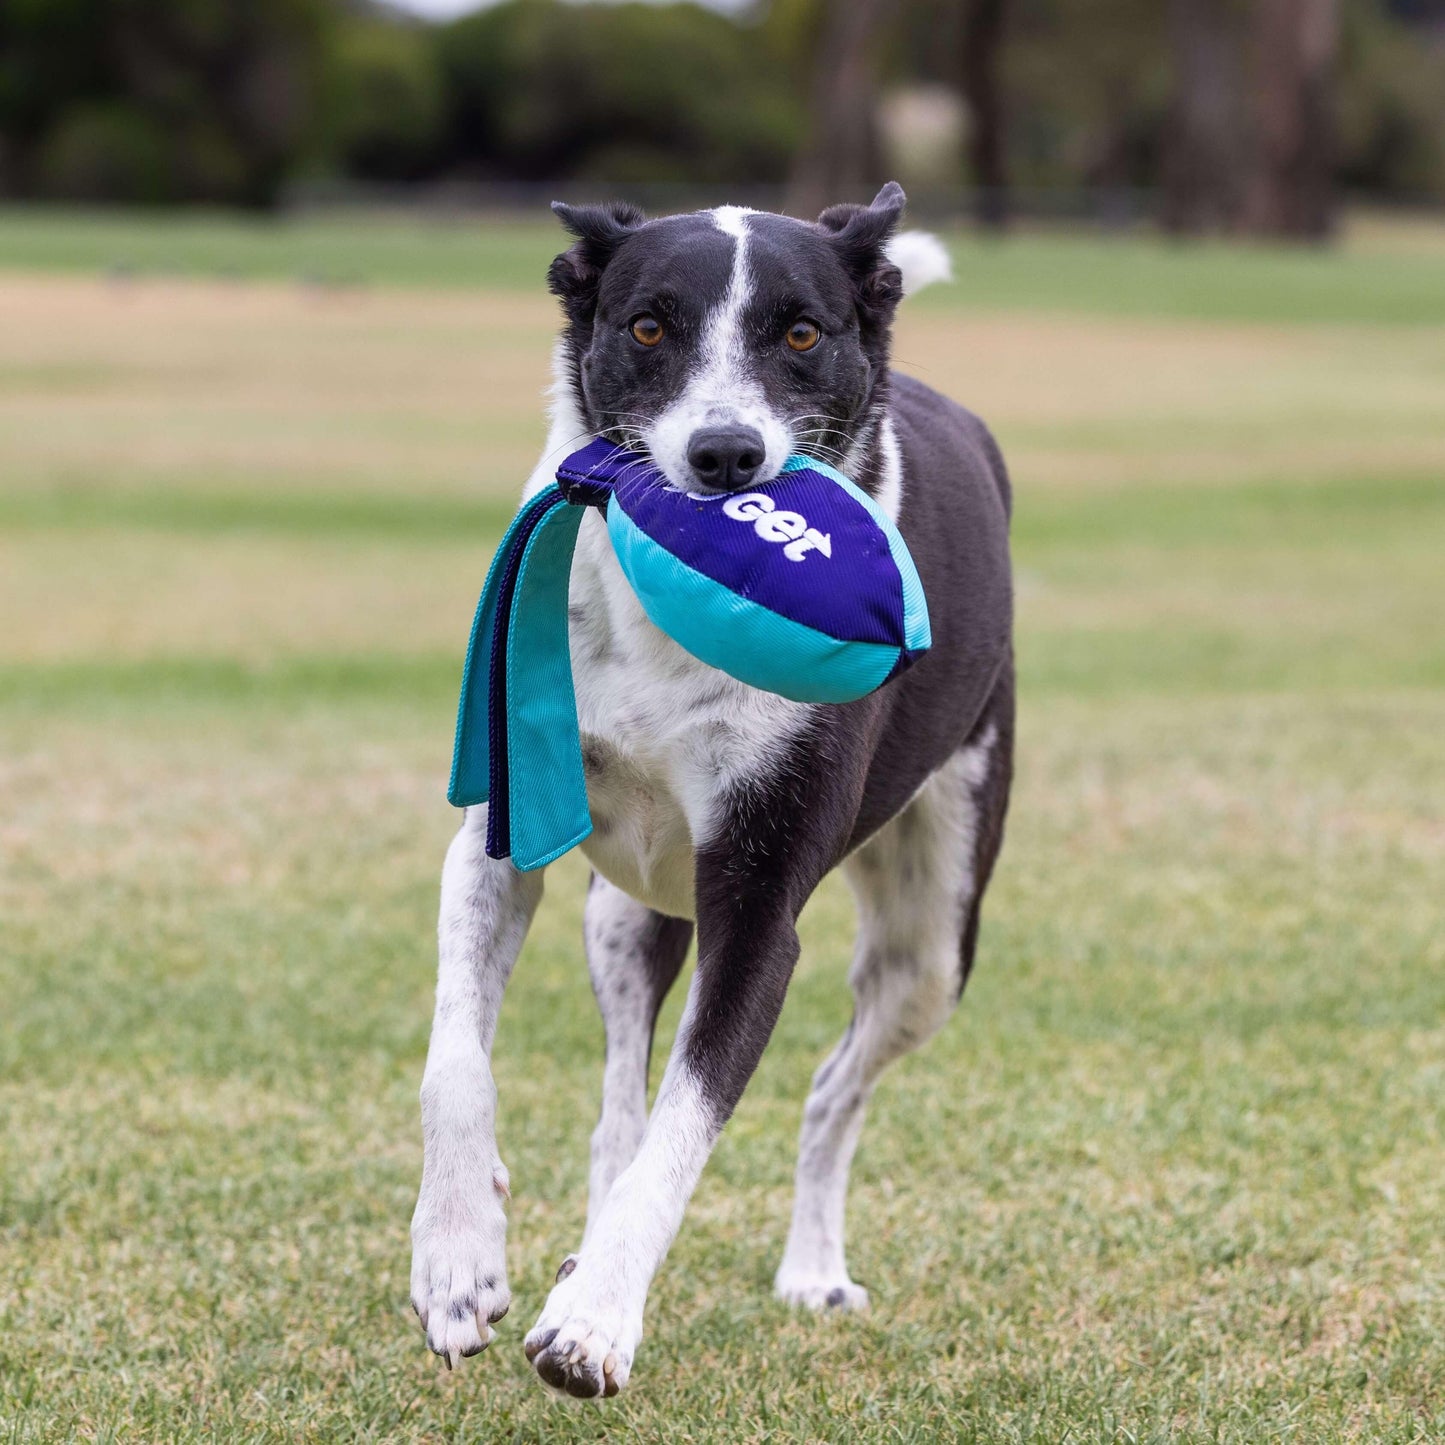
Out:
{"x": 1391, "y": 119}
{"x": 1088, "y": 90}
{"x": 107, "y": 151}
{"x": 538, "y": 89}
{"x": 958, "y": 42}
{"x": 384, "y": 102}
{"x": 1251, "y": 143}
{"x": 983, "y": 33}
{"x": 51, "y": 58}
{"x": 961, "y": 44}
{"x": 842, "y": 158}
{"x": 1291, "y": 185}
{"x": 158, "y": 99}
{"x": 1205, "y": 139}
{"x": 1241, "y": 111}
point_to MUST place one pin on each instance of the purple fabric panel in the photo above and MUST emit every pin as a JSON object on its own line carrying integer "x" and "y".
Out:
{"x": 586, "y": 478}
{"x": 847, "y": 587}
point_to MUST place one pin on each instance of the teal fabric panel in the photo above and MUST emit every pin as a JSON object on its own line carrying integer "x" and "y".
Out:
{"x": 548, "y": 804}
{"x": 727, "y": 631}
{"x": 471, "y": 754}
{"x": 918, "y": 633}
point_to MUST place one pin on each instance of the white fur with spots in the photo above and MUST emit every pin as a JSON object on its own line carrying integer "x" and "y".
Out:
{"x": 459, "y": 1227}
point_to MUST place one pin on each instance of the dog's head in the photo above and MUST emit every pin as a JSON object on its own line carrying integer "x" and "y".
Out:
{"x": 720, "y": 342}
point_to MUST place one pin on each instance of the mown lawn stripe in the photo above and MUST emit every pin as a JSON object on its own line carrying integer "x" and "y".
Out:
{"x": 300, "y": 513}
{"x": 1138, "y": 274}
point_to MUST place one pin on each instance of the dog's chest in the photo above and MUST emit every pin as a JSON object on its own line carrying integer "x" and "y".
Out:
{"x": 664, "y": 736}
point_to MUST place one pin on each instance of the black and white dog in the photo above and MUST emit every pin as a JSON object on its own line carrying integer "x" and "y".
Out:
{"x": 719, "y": 343}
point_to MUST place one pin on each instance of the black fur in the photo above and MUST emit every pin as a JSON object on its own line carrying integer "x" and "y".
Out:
{"x": 992, "y": 803}
{"x": 677, "y": 269}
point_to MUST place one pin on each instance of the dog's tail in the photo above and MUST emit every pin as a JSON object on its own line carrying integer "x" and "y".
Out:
{"x": 921, "y": 257}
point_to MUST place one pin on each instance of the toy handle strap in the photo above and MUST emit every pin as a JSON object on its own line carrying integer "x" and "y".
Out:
{"x": 518, "y": 747}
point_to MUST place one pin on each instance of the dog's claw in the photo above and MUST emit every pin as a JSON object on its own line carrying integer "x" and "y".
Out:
{"x": 457, "y": 1290}
{"x": 566, "y": 1268}
{"x": 534, "y": 1347}
{"x": 579, "y": 1360}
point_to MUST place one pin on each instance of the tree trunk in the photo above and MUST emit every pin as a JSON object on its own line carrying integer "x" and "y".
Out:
{"x": 842, "y": 158}
{"x": 983, "y": 29}
{"x": 1206, "y": 138}
{"x": 1291, "y": 190}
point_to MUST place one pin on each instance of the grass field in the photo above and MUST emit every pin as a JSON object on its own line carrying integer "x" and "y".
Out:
{"x": 1176, "y": 1170}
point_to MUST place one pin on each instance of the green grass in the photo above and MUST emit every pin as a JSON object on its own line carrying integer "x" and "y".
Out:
{"x": 1136, "y": 275}
{"x": 1172, "y": 1173}
{"x": 326, "y": 250}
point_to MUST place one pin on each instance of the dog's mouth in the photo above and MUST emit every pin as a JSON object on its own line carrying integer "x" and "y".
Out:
{"x": 701, "y": 492}
{"x": 632, "y": 440}
{"x": 821, "y": 437}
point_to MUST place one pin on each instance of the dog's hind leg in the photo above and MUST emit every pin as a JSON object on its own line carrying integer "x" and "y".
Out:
{"x": 459, "y": 1229}
{"x": 634, "y": 955}
{"x": 918, "y": 884}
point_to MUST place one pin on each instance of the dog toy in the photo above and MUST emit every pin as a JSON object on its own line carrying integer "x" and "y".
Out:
{"x": 802, "y": 587}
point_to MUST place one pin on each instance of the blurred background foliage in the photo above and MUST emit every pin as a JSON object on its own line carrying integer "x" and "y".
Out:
{"x": 1217, "y": 114}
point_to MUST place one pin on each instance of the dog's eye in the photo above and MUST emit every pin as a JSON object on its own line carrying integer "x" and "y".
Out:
{"x": 803, "y": 336}
{"x": 647, "y": 330}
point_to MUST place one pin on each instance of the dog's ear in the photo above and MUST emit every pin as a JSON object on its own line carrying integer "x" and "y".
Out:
{"x": 860, "y": 234}
{"x": 576, "y": 274}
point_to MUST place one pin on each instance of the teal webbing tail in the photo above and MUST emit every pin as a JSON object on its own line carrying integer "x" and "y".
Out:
{"x": 518, "y": 748}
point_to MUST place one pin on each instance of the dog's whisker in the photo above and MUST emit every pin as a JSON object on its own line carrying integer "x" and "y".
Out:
{"x": 820, "y": 449}
{"x": 571, "y": 443}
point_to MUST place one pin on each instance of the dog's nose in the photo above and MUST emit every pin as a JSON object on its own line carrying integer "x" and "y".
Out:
{"x": 727, "y": 457}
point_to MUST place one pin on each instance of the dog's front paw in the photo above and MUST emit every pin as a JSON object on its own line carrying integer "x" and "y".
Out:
{"x": 459, "y": 1274}
{"x": 580, "y": 1347}
{"x": 816, "y": 1293}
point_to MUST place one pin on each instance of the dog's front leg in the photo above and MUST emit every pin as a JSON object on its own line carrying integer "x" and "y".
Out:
{"x": 459, "y": 1229}
{"x": 587, "y": 1334}
{"x": 750, "y": 887}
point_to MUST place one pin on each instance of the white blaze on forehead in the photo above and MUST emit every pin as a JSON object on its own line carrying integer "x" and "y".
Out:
{"x": 733, "y": 220}
{"x": 720, "y": 392}
{"x": 722, "y": 344}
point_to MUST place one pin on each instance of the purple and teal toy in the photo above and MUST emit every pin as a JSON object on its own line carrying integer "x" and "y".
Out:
{"x": 802, "y": 587}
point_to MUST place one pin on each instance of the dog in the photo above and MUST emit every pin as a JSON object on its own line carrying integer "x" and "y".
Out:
{"x": 717, "y": 343}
